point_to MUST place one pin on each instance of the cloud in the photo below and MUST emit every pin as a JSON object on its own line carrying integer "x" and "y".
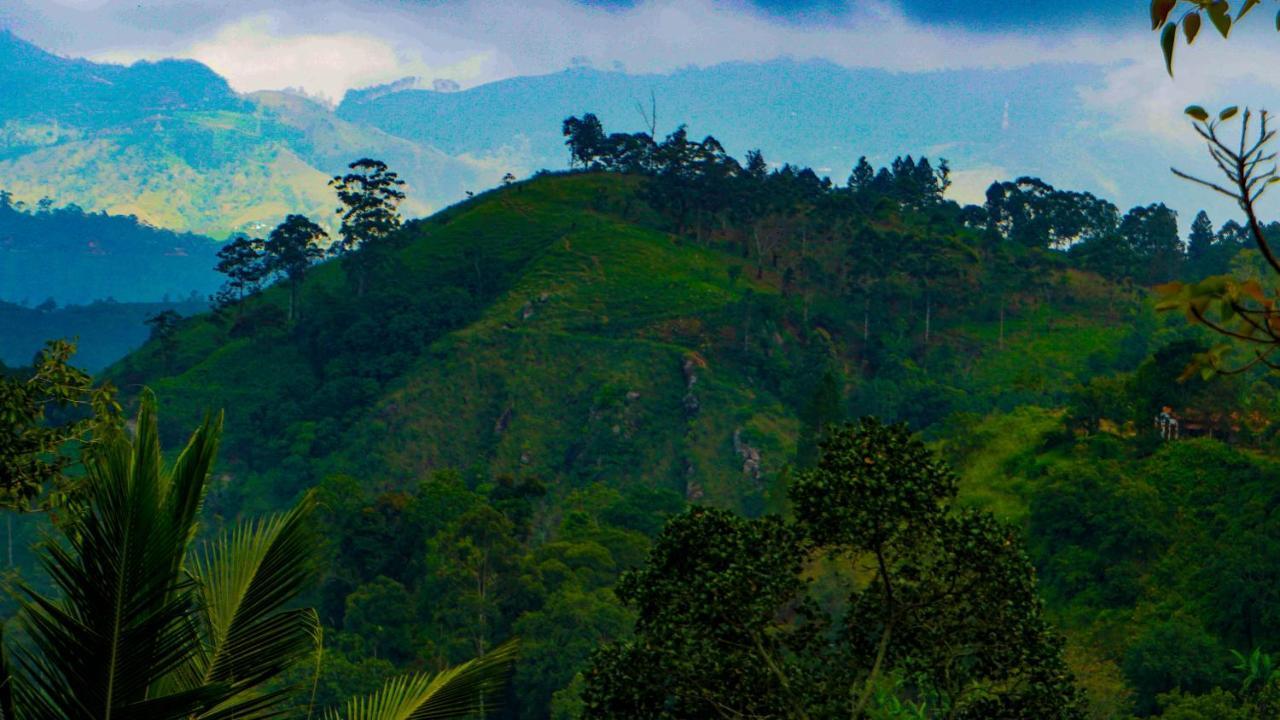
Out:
{"x": 259, "y": 53}
{"x": 330, "y": 46}
{"x": 969, "y": 186}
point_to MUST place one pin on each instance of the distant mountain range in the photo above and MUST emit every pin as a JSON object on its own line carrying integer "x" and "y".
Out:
{"x": 171, "y": 143}
{"x": 103, "y": 331}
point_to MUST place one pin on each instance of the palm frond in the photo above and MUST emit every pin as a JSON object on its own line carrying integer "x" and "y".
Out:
{"x": 123, "y": 616}
{"x": 247, "y": 577}
{"x": 458, "y": 692}
{"x": 6, "y": 682}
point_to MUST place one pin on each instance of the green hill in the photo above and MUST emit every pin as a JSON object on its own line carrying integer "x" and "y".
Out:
{"x": 557, "y": 329}
{"x": 76, "y": 257}
{"x": 571, "y": 359}
{"x": 551, "y": 368}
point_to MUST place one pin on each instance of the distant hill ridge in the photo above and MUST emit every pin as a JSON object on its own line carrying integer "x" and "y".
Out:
{"x": 171, "y": 143}
{"x": 76, "y": 257}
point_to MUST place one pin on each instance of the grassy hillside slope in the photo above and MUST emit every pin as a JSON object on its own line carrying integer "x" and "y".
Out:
{"x": 551, "y": 352}
{"x": 554, "y": 329}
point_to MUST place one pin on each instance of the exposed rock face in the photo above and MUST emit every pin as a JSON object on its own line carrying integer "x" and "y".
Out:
{"x": 503, "y": 421}
{"x": 691, "y": 405}
{"x": 692, "y": 489}
{"x": 689, "y": 368}
{"x": 750, "y": 456}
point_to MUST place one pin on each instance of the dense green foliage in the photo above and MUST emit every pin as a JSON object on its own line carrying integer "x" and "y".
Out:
{"x": 533, "y": 381}
{"x": 142, "y": 625}
{"x": 45, "y": 412}
{"x": 731, "y": 623}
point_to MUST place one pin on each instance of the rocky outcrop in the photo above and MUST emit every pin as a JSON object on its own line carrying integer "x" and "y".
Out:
{"x": 750, "y": 456}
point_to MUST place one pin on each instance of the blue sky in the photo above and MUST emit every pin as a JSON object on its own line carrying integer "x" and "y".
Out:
{"x": 1019, "y": 13}
{"x": 1001, "y": 14}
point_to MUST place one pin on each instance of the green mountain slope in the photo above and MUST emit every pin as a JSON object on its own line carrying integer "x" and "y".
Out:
{"x": 581, "y": 361}
{"x": 548, "y": 370}
{"x": 555, "y": 329}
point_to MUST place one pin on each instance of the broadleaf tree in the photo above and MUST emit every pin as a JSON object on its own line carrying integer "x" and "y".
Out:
{"x": 290, "y": 250}
{"x": 1242, "y": 311}
{"x": 939, "y": 603}
{"x": 370, "y": 195}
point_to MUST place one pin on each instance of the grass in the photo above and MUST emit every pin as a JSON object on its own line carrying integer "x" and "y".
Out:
{"x": 988, "y": 459}
{"x": 572, "y": 368}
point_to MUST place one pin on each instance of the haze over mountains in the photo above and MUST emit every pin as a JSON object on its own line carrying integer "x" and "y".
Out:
{"x": 173, "y": 144}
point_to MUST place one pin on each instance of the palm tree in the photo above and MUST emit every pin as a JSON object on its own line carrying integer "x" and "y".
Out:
{"x": 144, "y": 627}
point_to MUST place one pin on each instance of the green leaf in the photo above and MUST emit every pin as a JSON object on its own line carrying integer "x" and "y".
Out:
{"x": 1166, "y": 45}
{"x": 1248, "y": 5}
{"x": 248, "y": 577}
{"x": 1191, "y": 26}
{"x": 1197, "y": 112}
{"x": 1228, "y": 113}
{"x": 1278, "y": 22}
{"x": 1160, "y": 10}
{"x": 1220, "y": 16}
{"x": 458, "y": 692}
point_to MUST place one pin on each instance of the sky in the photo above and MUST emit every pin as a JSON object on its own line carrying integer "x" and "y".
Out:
{"x": 330, "y": 46}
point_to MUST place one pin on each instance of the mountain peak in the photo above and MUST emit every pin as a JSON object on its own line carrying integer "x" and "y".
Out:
{"x": 38, "y": 84}
{"x": 15, "y": 50}
{"x": 357, "y": 96}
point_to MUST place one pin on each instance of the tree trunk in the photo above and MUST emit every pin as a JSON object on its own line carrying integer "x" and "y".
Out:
{"x": 864, "y": 697}
{"x": 1000, "y": 343}
{"x": 866, "y": 318}
{"x": 928, "y": 316}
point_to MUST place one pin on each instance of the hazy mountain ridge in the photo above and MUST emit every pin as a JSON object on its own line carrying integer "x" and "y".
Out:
{"x": 103, "y": 331}
{"x": 38, "y": 86}
{"x": 198, "y": 137}
{"x": 171, "y": 143}
{"x": 77, "y": 257}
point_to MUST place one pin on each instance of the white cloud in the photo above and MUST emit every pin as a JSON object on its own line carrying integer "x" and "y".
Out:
{"x": 330, "y": 46}
{"x": 254, "y": 53}
{"x": 969, "y": 186}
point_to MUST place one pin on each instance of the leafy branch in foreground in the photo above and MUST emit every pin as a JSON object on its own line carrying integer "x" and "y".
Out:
{"x": 1237, "y": 309}
{"x": 461, "y": 691}
{"x": 1219, "y": 13}
{"x": 36, "y": 449}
